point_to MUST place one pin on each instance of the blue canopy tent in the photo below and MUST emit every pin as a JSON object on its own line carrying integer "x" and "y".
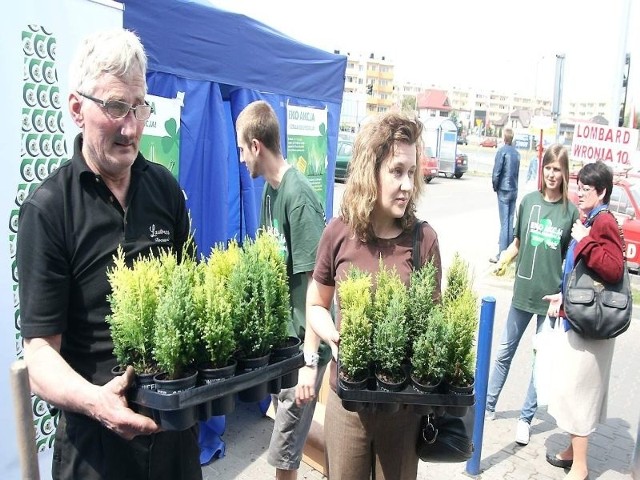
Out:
{"x": 222, "y": 61}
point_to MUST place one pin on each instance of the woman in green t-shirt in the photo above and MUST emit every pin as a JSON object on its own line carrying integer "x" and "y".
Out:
{"x": 542, "y": 235}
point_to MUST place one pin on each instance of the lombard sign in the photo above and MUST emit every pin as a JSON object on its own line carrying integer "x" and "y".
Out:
{"x": 593, "y": 142}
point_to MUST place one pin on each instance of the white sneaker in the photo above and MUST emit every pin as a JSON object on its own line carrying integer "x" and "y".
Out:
{"x": 523, "y": 432}
{"x": 490, "y": 414}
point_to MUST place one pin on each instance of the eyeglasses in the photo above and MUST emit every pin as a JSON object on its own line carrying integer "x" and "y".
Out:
{"x": 583, "y": 189}
{"x": 118, "y": 109}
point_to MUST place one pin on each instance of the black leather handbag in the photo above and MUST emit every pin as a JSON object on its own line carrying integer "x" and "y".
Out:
{"x": 446, "y": 438}
{"x": 594, "y": 308}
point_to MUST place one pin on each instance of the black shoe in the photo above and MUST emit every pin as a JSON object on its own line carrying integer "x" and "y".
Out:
{"x": 494, "y": 259}
{"x": 558, "y": 462}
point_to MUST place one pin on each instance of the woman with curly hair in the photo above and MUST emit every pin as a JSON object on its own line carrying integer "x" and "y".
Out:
{"x": 376, "y": 222}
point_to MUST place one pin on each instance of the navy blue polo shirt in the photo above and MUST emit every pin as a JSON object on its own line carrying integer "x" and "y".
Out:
{"x": 68, "y": 232}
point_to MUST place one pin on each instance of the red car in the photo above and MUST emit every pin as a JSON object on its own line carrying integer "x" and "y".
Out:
{"x": 429, "y": 165}
{"x": 489, "y": 142}
{"x": 625, "y": 205}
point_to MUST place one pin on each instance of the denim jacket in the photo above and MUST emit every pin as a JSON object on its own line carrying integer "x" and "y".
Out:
{"x": 506, "y": 169}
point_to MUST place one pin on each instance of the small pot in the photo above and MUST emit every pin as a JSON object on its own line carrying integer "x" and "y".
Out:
{"x": 208, "y": 374}
{"x": 176, "y": 385}
{"x": 251, "y": 364}
{"x": 288, "y": 349}
{"x": 260, "y": 390}
{"x": 118, "y": 370}
{"x": 426, "y": 387}
{"x": 391, "y": 381}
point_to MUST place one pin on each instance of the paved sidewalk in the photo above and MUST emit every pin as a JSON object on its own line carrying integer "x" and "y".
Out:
{"x": 611, "y": 446}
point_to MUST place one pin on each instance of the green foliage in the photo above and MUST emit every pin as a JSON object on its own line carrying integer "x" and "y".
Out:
{"x": 409, "y": 103}
{"x": 354, "y": 293}
{"x": 390, "y": 336}
{"x": 259, "y": 296}
{"x": 176, "y": 333}
{"x": 389, "y": 319}
{"x": 276, "y": 293}
{"x": 460, "y": 306}
{"x": 389, "y": 288}
{"x": 133, "y": 300}
{"x": 458, "y": 280}
{"x": 213, "y": 300}
{"x": 420, "y": 300}
{"x": 430, "y": 352}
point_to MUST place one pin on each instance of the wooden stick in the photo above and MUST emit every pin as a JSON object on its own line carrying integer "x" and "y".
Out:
{"x": 24, "y": 420}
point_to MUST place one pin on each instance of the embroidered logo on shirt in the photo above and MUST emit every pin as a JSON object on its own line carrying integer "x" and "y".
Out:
{"x": 158, "y": 234}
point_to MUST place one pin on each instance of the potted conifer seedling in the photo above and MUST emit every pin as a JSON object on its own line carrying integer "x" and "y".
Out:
{"x": 260, "y": 307}
{"x": 428, "y": 362}
{"x": 176, "y": 332}
{"x": 134, "y": 301}
{"x": 420, "y": 302}
{"x": 356, "y": 329}
{"x": 389, "y": 329}
{"x": 460, "y": 307}
{"x": 217, "y": 342}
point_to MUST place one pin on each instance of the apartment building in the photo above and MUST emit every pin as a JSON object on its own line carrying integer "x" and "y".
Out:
{"x": 370, "y": 87}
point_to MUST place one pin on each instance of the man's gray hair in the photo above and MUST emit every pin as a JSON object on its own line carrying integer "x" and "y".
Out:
{"x": 118, "y": 52}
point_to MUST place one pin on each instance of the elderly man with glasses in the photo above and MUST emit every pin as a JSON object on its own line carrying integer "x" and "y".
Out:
{"x": 107, "y": 196}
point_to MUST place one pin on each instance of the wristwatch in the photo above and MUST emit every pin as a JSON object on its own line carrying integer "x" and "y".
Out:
{"x": 311, "y": 359}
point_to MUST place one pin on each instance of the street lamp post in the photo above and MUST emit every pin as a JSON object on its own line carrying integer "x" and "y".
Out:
{"x": 557, "y": 92}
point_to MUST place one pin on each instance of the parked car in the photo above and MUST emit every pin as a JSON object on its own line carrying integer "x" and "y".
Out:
{"x": 625, "y": 205}
{"x": 462, "y": 139}
{"x": 343, "y": 156}
{"x": 489, "y": 142}
{"x": 429, "y": 164}
{"x": 462, "y": 164}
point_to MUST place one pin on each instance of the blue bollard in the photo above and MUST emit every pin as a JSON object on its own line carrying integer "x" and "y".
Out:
{"x": 483, "y": 358}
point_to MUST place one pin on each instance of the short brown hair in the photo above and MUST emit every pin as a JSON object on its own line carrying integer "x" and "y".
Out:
{"x": 258, "y": 120}
{"x": 508, "y": 135}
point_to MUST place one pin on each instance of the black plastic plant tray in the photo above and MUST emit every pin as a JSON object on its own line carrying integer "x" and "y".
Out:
{"x": 408, "y": 395}
{"x": 201, "y": 394}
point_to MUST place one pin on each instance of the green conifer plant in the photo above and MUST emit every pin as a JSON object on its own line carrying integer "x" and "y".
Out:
{"x": 430, "y": 352}
{"x": 389, "y": 324}
{"x": 176, "y": 333}
{"x": 213, "y": 299}
{"x": 460, "y": 306}
{"x": 420, "y": 301}
{"x": 356, "y": 328}
{"x": 134, "y": 299}
{"x": 259, "y": 297}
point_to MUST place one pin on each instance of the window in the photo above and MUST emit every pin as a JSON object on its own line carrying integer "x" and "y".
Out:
{"x": 619, "y": 203}
{"x": 344, "y": 149}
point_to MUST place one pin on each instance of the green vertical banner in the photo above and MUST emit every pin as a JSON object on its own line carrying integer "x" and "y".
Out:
{"x": 160, "y": 140}
{"x": 307, "y": 145}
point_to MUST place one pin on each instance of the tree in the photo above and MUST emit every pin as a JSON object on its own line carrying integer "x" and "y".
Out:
{"x": 454, "y": 118}
{"x": 409, "y": 103}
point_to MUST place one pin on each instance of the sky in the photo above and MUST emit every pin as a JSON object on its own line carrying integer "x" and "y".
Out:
{"x": 494, "y": 44}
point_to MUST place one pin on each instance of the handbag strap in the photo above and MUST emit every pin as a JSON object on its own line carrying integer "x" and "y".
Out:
{"x": 417, "y": 240}
{"x": 624, "y": 244}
